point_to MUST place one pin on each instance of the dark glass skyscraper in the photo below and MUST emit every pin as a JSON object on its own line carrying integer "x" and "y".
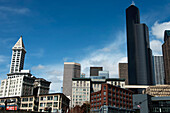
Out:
{"x": 166, "y": 55}
{"x": 140, "y": 68}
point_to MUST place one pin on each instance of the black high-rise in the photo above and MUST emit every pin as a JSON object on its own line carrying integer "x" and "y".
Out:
{"x": 140, "y": 69}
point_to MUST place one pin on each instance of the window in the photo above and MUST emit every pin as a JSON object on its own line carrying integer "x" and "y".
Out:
{"x": 104, "y": 87}
{"x": 31, "y": 99}
{"x": 55, "y": 104}
{"x": 30, "y": 104}
{"x": 24, "y": 99}
{"x": 49, "y": 104}
{"x": 24, "y": 105}
{"x": 104, "y": 93}
{"x": 55, "y": 98}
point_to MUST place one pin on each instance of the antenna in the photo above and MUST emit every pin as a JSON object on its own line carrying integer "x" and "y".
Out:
{"x": 133, "y": 3}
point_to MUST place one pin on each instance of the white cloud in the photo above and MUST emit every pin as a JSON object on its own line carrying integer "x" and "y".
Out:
{"x": 108, "y": 57}
{"x": 52, "y": 73}
{"x": 159, "y": 28}
{"x": 14, "y": 10}
{"x": 156, "y": 47}
{"x": 39, "y": 67}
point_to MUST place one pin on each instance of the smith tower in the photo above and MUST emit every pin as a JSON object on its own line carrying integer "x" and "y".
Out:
{"x": 18, "y": 56}
{"x": 140, "y": 70}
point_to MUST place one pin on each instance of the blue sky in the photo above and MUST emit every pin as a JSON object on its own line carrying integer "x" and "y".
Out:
{"x": 89, "y": 32}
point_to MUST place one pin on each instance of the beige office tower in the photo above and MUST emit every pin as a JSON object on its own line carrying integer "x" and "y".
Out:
{"x": 71, "y": 70}
{"x": 123, "y": 71}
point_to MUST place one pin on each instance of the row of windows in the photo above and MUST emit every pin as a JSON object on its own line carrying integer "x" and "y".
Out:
{"x": 26, "y": 99}
{"x": 49, "y": 98}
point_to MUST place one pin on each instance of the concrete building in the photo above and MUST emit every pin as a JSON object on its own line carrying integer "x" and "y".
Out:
{"x": 18, "y": 56}
{"x": 140, "y": 66}
{"x": 94, "y": 71}
{"x": 158, "y": 90}
{"x": 123, "y": 71}
{"x": 41, "y": 86}
{"x": 142, "y": 103}
{"x": 82, "y": 87}
{"x": 111, "y": 99}
{"x": 158, "y": 65}
{"x": 13, "y": 103}
{"x": 104, "y": 74}
{"x": 28, "y": 103}
{"x": 71, "y": 70}
{"x": 166, "y": 55}
{"x": 19, "y": 82}
{"x": 58, "y": 102}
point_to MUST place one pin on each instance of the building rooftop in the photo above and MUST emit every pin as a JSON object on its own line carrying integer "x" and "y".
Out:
{"x": 166, "y": 34}
{"x": 160, "y": 98}
{"x": 19, "y": 44}
{"x": 72, "y": 63}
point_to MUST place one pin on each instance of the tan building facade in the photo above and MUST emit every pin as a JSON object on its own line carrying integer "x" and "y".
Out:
{"x": 58, "y": 102}
{"x": 123, "y": 71}
{"x": 28, "y": 103}
{"x": 158, "y": 90}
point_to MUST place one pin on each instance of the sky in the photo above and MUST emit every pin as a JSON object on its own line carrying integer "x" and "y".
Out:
{"x": 89, "y": 32}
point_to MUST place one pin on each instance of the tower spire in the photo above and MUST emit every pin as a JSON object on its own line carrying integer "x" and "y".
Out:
{"x": 133, "y": 3}
{"x": 18, "y": 56}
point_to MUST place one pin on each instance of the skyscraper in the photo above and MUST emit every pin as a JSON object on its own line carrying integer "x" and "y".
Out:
{"x": 20, "y": 82}
{"x": 94, "y": 71}
{"x": 159, "y": 69}
{"x": 123, "y": 71}
{"x": 71, "y": 70}
{"x": 140, "y": 70}
{"x": 166, "y": 55}
{"x": 18, "y": 56}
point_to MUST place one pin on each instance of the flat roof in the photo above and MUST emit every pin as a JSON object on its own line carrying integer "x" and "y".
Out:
{"x": 160, "y": 98}
{"x": 72, "y": 63}
{"x": 81, "y": 78}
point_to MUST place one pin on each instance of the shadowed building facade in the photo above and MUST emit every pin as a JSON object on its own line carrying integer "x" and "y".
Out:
{"x": 94, "y": 71}
{"x": 159, "y": 69}
{"x": 71, "y": 70}
{"x": 123, "y": 71}
{"x": 140, "y": 67}
{"x": 166, "y": 56}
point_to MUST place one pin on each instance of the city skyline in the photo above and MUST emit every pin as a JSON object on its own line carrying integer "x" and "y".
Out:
{"x": 76, "y": 40}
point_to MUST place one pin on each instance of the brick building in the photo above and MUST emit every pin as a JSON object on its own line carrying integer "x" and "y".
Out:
{"x": 111, "y": 99}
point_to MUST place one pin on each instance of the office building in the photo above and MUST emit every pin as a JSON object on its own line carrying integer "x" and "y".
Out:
{"x": 166, "y": 55}
{"x": 158, "y": 90}
{"x": 143, "y": 103}
{"x": 111, "y": 99}
{"x": 82, "y": 87}
{"x": 41, "y": 86}
{"x": 104, "y": 74}
{"x": 20, "y": 82}
{"x": 18, "y": 56}
{"x": 123, "y": 72}
{"x": 80, "y": 91}
{"x": 71, "y": 70}
{"x": 94, "y": 71}
{"x": 158, "y": 65}
{"x": 140, "y": 66}
{"x": 28, "y": 103}
{"x": 58, "y": 102}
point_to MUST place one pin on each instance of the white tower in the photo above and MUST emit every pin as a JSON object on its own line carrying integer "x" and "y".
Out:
{"x": 18, "y": 55}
